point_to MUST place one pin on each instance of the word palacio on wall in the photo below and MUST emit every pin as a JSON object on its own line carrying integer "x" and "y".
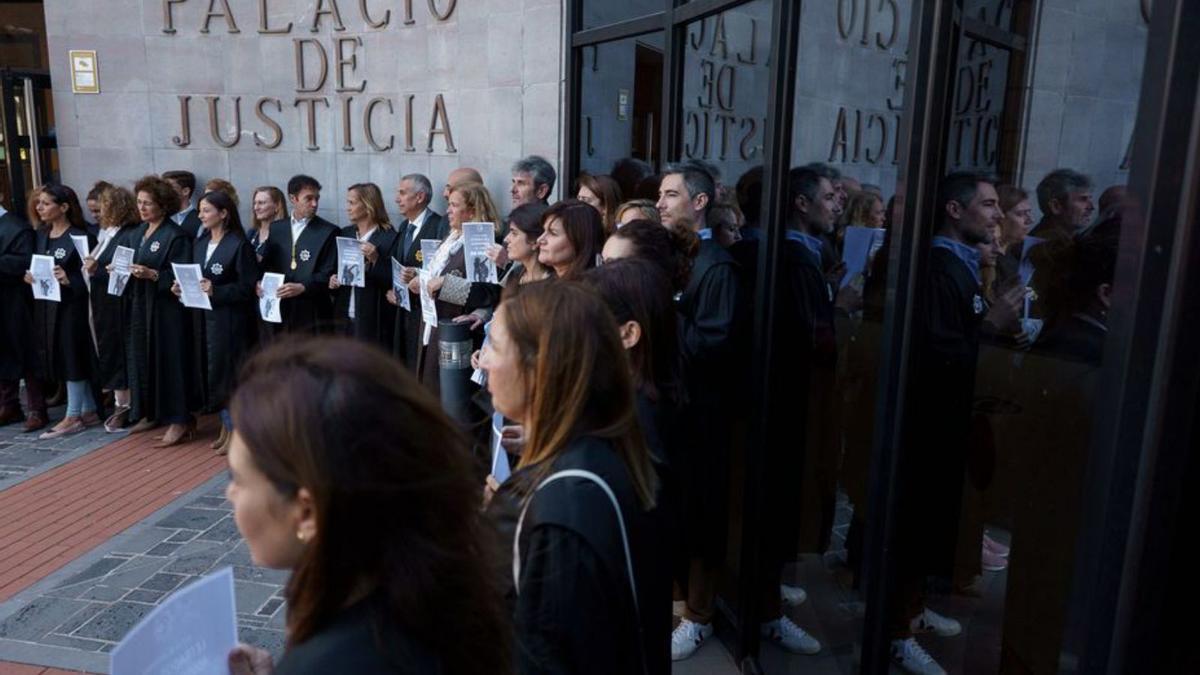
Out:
{"x": 316, "y": 59}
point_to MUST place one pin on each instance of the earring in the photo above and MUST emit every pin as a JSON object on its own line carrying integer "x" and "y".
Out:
{"x": 300, "y": 536}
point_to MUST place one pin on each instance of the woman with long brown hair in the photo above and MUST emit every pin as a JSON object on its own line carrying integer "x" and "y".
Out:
{"x": 572, "y": 238}
{"x": 589, "y": 569}
{"x": 110, "y": 313}
{"x": 226, "y": 333}
{"x": 365, "y": 312}
{"x": 346, "y": 472}
{"x": 601, "y": 193}
{"x": 62, "y": 334}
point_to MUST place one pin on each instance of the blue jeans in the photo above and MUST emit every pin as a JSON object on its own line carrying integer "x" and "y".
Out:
{"x": 226, "y": 419}
{"x": 79, "y": 398}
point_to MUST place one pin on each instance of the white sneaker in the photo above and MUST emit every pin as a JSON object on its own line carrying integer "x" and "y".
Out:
{"x": 929, "y": 621}
{"x": 792, "y": 595}
{"x": 687, "y": 638}
{"x": 786, "y": 634}
{"x": 912, "y": 658}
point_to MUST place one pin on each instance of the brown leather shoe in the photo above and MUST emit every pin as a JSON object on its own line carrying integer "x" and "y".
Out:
{"x": 117, "y": 422}
{"x": 176, "y": 434}
{"x": 11, "y": 415}
{"x": 35, "y": 421}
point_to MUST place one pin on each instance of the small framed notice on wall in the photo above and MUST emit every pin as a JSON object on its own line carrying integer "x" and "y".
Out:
{"x": 85, "y": 74}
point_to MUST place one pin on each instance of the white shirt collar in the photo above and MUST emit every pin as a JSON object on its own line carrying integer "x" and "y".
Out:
{"x": 420, "y": 220}
{"x": 3, "y": 211}
{"x": 370, "y": 233}
{"x": 182, "y": 215}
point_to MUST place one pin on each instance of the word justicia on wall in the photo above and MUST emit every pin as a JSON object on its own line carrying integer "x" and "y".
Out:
{"x": 382, "y": 122}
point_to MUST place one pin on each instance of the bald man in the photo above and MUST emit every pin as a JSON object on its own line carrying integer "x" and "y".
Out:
{"x": 462, "y": 174}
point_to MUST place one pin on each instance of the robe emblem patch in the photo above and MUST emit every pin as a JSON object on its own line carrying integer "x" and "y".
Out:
{"x": 305, "y": 255}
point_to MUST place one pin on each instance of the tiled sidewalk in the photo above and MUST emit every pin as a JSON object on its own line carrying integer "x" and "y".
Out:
{"x": 76, "y": 616}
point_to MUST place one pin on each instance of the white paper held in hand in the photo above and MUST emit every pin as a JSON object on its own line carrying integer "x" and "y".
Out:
{"x": 478, "y": 238}
{"x": 118, "y": 278}
{"x": 428, "y": 306}
{"x": 188, "y": 277}
{"x": 45, "y": 286}
{"x": 190, "y": 633}
{"x": 352, "y": 264}
{"x": 268, "y": 304}
{"x": 398, "y": 285}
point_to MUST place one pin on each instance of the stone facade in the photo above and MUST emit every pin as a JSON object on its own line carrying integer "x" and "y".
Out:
{"x": 493, "y": 66}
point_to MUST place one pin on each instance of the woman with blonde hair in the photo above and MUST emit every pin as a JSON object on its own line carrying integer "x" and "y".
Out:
{"x": 469, "y": 202}
{"x": 365, "y": 312}
{"x": 589, "y": 568}
{"x": 637, "y": 209}
{"x": 110, "y": 313}
{"x": 267, "y": 206}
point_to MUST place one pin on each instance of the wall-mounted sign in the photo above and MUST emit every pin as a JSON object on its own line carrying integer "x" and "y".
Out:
{"x": 85, "y": 76}
{"x": 622, "y": 104}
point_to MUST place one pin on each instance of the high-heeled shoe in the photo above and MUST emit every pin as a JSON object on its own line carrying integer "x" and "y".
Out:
{"x": 222, "y": 439}
{"x": 224, "y": 449}
{"x": 176, "y": 434}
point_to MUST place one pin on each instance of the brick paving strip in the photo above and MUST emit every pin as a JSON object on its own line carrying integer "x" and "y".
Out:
{"x": 91, "y": 546}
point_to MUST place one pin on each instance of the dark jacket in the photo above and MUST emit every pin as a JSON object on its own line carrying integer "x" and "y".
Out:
{"x": 309, "y": 261}
{"x": 62, "y": 332}
{"x": 16, "y": 298}
{"x": 227, "y": 333}
{"x": 374, "y": 317}
{"x": 362, "y": 641}
{"x": 160, "y": 356}
{"x": 406, "y": 334}
{"x": 574, "y": 607}
{"x": 110, "y": 314}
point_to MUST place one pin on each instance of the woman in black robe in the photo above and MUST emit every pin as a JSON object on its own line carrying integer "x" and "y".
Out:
{"x": 365, "y": 313}
{"x": 228, "y": 332}
{"x": 589, "y": 573}
{"x": 159, "y": 354}
{"x": 62, "y": 334}
{"x": 110, "y": 313}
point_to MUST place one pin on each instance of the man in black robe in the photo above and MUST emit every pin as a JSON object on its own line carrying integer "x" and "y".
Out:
{"x": 412, "y": 197}
{"x": 801, "y": 463}
{"x": 708, "y": 309}
{"x": 304, "y": 251}
{"x": 16, "y": 320}
{"x": 951, "y": 316}
{"x": 187, "y": 217}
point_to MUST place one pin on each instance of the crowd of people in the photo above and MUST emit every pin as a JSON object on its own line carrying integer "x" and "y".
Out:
{"x": 614, "y": 352}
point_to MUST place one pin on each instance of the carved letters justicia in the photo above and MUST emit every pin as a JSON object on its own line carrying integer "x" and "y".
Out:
{"x": 314, "y": 58}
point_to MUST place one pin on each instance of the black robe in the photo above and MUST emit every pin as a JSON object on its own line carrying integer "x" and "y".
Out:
{"x": 574, "y": 608}
{"x": 228, "y": 332}
{"x": 708, "y": 316}
{"x": 406, "y": 335}
{"x": 933, "y": 460}
{"x": 315, "y": 260}
{"x": 16, "y": 299}
{"x": 191, "y": 223}
{"x": 110, "y": 315}
{"x": 374, "y": 317}
{"x": 62, "y": 332}
{"x": 159, "y": 352}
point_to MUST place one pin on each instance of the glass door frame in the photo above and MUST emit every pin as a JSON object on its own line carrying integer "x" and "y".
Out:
{"x": 12, "y": 85}
{"x": 1142, "y": 392}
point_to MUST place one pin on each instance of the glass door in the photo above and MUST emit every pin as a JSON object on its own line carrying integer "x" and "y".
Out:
{"x": 28, "y": 146}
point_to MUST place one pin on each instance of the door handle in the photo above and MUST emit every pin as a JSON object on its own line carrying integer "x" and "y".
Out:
{"x": 31, "y": 127}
